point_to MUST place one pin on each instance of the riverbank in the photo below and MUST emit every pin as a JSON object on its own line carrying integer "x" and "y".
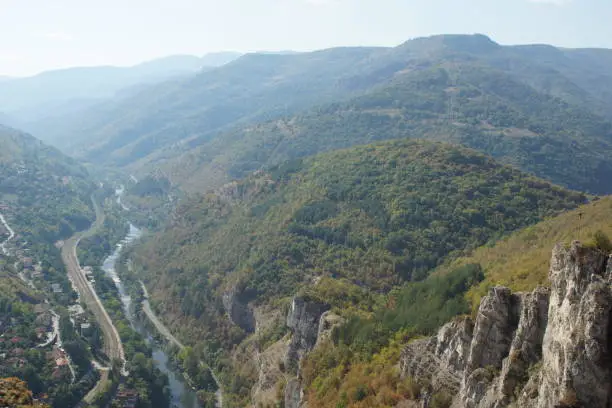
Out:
{"x": 165, "y": 332}
{"x": 181, "y": 394}
{"x": 153, "y": 327}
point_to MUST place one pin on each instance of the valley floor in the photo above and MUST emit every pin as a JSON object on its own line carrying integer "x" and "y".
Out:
{"x": 167, "y": 334}
{"x": 112, "y": 343}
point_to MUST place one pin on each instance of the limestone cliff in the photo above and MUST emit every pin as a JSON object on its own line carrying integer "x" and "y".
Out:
{"x": 546, "y": 348}
{"x": 238, "y": 310}
{"x": 303, "y": 320}
{"x": 306, "y": 319}
{"x": 311, "y": 324}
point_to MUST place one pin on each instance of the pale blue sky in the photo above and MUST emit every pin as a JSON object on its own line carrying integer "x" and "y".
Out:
{"x": 39, "y": 35}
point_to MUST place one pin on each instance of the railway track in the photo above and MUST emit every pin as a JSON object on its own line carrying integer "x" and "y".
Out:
{"x": 113, "y": 347}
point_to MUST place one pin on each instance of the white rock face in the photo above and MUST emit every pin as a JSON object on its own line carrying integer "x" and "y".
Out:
{"x": 306, "y": 319}
{"x": 535, "y": 350}
{"x": 576, "y": 363}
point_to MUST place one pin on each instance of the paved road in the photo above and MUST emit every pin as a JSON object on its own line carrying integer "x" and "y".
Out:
{"x": 87, "y": 294}
{"x": 11, "y": 234}
{"x": 163, "y": 330}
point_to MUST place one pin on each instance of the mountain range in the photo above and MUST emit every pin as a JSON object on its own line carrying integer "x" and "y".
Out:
{"x": 63, "y": 91}
{"x": 315, "y": 219}
{"x": 540, "y": 108}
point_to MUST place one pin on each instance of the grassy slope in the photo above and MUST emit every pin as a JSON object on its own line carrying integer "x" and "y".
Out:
{"x": 521, "y": 260}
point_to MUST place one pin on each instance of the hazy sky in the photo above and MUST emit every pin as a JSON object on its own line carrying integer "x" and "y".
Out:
{"x": 38, "y": 35}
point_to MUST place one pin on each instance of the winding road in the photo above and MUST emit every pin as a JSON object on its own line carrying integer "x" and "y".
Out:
{"x": 11, "y": 235}
{"x": 87, "y": 294}
{"x": 54, "y": 336}
{"x": 163, "y": 330}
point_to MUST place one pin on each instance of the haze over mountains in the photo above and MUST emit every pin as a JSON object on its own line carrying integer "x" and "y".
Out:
{"x": 309, "y": 215}
{"x": 67, "y": 90}
{"x": 532, "y": 106}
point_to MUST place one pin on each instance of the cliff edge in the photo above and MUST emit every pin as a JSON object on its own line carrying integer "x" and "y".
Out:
{"x": 546, "y": 348}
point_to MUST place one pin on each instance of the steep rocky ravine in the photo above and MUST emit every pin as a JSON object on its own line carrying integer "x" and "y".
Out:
{"x": 547, "y": 348}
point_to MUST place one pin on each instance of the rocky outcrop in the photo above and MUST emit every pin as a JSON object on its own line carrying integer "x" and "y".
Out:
{"x": 327, "y": 323}
{"x": 270, "y": 366}
{"x": 238, "y": 310}
{"x": 576, "y": 365}
{"x": 306, "y": 319}
{"x": 293, "y": 393}
{"x": 303, "y": 320}
{"x": 546, "y": 348}
{"x": 442, "y": 358}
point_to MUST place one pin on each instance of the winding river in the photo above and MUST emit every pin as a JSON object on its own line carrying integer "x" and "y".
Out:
{"x": 182, "y": 396}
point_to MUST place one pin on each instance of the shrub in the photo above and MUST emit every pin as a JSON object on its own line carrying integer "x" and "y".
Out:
{"x": 569, "y": 400}
{"x": 360, "y": 392}
{"x": 409, "y": 389}
{"x": 602, "y": 242}
{"x": 441, "y": 400}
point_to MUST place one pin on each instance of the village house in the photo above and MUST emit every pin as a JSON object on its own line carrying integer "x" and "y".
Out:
{"x": 57, "y": 354}
{"x": 60, "y": 362}
{"x": 41, "y": 308}
{"x": 127, "y": 398}
{"x": 76, "y": 310}
{"x": 16, "y": 362}
{"x": 16, "y": 340}
{"x": 85, "y": 329}
{"x": 28, "y": 263}
{"x": 38, "y": 271}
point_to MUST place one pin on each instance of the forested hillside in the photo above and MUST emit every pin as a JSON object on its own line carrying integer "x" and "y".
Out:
{"x": 365, "y": 220}
{"x": 44, "y": 195}
{"x": 541, "y": 108}
{"x": 256, "y": 86}
{"x": 358, "y": 366}
{"x": 464, "y": 103}
{"x": 15, "y": 393}
{"x": 521, "y": 260}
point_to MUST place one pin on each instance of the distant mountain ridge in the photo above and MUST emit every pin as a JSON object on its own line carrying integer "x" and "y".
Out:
{"x": 493, "y": 100}
{"x": 264, "y": 108}
{"x": 26, "y": 97}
